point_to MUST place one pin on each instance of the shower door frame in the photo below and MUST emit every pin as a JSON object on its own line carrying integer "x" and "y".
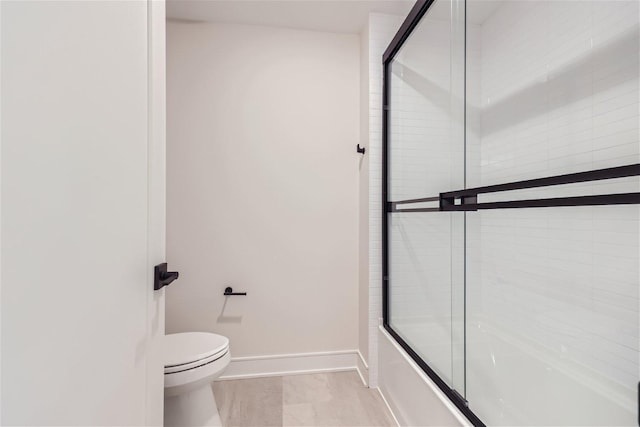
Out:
{"x": 467, "y": 200}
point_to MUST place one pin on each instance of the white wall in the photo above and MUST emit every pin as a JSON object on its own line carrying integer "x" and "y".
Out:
{"x": 263, "y": 186}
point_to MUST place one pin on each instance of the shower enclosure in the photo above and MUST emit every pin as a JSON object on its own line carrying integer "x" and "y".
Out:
{"x": 511, "y": 190}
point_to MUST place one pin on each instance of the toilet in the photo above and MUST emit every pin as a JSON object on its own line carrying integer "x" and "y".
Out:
{"x": 192, "y": 360}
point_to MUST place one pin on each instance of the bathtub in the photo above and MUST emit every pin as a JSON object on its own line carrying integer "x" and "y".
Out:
{"x": 510, "y": 382}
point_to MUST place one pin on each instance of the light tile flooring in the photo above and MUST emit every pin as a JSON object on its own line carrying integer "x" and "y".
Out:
{"x": 331, "y": 399}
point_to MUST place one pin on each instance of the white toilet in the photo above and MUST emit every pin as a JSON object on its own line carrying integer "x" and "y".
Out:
{"x": 192, "y": 360}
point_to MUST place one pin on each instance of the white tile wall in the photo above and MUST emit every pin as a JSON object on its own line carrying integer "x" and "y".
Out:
{"x": 562, "y": 88}
{"x": 381, "y": 30}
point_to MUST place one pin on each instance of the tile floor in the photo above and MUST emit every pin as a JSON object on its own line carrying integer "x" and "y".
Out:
{"x": 331, "y": 399}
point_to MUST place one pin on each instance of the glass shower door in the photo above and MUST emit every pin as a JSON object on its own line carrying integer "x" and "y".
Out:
{"x": 553, "y": 292}
{"x": 425, "y": 148}
{"x": 511, "y": 253}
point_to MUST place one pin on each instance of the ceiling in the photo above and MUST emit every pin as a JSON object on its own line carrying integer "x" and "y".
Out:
{"x": 477, "y": 11}
{"x": 340, "y": 16}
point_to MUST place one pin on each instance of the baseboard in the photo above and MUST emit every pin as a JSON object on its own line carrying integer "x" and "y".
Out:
{"x": 291, "y": 364}
{"x": 363, "y": 369}
{"x": 386, "y": 402}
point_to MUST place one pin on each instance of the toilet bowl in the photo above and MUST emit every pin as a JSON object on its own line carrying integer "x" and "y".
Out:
{"x": 192, "y": 360}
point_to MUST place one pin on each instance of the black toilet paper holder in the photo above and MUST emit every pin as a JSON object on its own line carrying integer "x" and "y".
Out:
{"x": 229, "y": 291}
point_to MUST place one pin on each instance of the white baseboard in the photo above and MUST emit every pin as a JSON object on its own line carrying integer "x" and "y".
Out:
{"x": 291, "y": 364}
{"x": 363, "y": 369}
{"x": 386, "y": 402}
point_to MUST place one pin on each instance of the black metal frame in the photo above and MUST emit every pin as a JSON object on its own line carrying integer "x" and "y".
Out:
{"x": 468, "y": 198}
{"x": 468, "y": 201}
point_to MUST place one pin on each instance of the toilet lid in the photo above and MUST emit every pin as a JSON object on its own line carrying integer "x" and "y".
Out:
{"x": 189, "y": 347}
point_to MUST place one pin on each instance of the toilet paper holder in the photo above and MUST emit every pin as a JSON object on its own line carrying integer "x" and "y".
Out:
{"x": 229, "y": 291}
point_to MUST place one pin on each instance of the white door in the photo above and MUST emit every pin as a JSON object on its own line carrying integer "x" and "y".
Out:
{"x": 82, "y": 212}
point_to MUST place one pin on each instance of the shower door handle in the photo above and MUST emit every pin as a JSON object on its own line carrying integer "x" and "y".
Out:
{"x": 467, "y": 199}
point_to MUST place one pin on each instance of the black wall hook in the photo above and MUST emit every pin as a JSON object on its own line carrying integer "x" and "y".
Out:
{"x": 360, "y": 149}
{"x": 162, "y": 277}
{"x": 229, "y": 291}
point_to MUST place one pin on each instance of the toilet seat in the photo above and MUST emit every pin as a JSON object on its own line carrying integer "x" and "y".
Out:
{"x": 193, "y": 365}
{"x": 190, "y": 350}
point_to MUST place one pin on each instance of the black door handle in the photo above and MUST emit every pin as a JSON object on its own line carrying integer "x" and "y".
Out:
{"x": 162, "y": 277}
